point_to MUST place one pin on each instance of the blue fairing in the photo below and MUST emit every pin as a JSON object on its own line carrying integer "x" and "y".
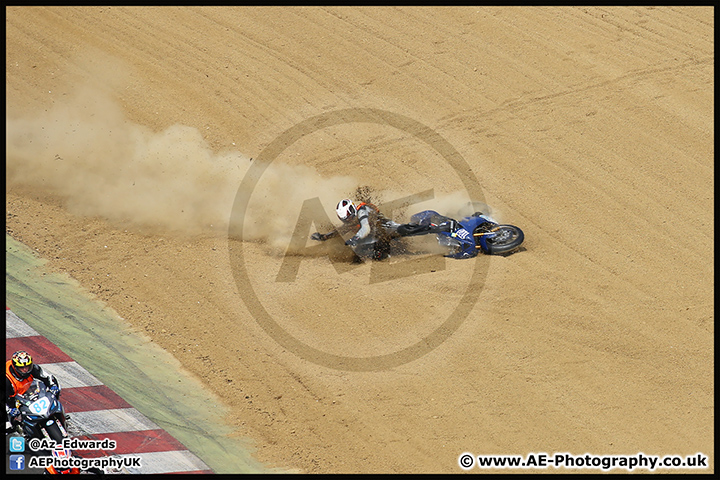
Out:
{"x": 461, "y": 239}
{"x": 466, "y": 243}
{"x": 471, "y": 223}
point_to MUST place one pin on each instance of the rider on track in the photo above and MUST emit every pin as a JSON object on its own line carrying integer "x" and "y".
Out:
{"x": 19, "y": 374}
{"x": 371, "y": 228}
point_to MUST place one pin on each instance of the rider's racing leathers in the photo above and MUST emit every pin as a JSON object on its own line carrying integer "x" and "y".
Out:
{"x": 373, "y": 232}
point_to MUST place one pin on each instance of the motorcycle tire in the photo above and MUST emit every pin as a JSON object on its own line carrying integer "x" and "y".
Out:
{"x": 55, "y": 432}
{"x": 510, "y": 238}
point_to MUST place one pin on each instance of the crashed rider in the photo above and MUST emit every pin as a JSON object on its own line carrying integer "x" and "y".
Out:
{"x": 372, "y": 229}
{"x": 19, "y": 374}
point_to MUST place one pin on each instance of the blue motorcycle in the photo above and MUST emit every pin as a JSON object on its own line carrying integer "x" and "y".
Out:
{"x": 42, "y": 414}
{"x": 43, "y": 417}
{"x": 466, "y": 237}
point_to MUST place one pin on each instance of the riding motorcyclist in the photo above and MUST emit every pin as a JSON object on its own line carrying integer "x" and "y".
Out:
{"x": 19, "y": 374}
{"x": 368, "y": 223}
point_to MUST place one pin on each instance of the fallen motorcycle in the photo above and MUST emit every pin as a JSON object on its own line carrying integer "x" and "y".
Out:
{"x": 458, "y": 239}
{"x": 466, "y": 237}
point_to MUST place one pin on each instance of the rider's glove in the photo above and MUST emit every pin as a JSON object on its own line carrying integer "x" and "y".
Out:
{"x": 351, "y": 242}
{"x": 14, "y": 412}
{"x": 55, "y": 389}
{"x": 317, "y": 236}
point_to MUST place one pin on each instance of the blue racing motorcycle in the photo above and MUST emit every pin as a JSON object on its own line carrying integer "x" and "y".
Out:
{"x": 466, "y": 237}
{"x": 42, "y": 417}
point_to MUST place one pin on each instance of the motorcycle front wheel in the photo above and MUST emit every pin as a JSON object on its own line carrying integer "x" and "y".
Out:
{"x": 500, "y": 239}
{"x": 55, "y": 431}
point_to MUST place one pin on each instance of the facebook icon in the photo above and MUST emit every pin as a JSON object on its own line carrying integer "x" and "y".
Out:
{"x": 17, "y": 462}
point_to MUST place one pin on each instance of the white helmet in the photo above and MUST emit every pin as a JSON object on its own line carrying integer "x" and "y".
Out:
{"x": 346, "y": 210}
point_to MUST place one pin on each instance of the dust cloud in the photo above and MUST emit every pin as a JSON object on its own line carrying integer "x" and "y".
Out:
{"x": 455, "y": 205}
{"x": 86, "y": 152}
